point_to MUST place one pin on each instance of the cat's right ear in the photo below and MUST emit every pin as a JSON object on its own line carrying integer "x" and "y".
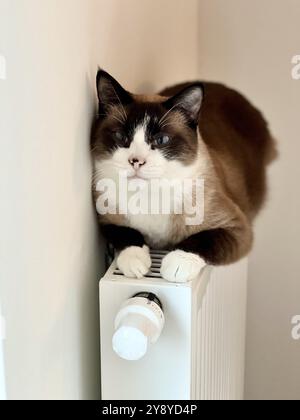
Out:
{"x": 188, "y": 101}
{"x": 110, "y": 92}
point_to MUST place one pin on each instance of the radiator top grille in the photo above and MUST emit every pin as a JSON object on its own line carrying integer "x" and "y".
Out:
{"x": 156, "y": 257}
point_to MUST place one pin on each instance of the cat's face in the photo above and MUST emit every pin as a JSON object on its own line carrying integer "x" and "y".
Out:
{"x": 145, "y": 137}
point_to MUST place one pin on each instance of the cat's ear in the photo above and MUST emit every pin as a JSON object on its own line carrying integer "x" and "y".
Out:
{"x": 110, "y": 92}
{"x": 188, "y": 101}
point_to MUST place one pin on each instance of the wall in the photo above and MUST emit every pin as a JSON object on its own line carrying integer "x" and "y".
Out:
{"x": 2, "y": 370}
{"x": 148, "y": 44}
{"x": 249, "y": 45}
{"x": 50, "y": 256}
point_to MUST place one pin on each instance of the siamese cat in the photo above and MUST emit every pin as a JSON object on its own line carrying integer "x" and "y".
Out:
{"x": 190, "y": 131}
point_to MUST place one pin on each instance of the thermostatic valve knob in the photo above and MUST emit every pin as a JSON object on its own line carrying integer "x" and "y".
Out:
{"x": 138, "y": 323}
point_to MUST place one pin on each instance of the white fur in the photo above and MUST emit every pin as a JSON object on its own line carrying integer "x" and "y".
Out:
{"x": 154, "y": 228}
{"x": 138, "y": 146}
{"x": 134, "y": 261}
{"x": 181, "y": 267}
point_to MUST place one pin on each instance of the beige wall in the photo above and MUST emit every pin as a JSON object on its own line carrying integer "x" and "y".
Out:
{"x": 50, "y": 259}
{"x": 147, "y": 44}
{"x": 49, "y": 254}
{"x": 249, "y": 45}
{"x": 49, "y": 251}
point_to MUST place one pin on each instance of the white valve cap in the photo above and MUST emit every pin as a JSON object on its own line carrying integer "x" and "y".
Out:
{"x": 138, "y": 323}
{"x": 130, "y": 343}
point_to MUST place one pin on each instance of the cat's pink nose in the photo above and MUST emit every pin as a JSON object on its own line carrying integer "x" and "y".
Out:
{"x": 136, "y": 162}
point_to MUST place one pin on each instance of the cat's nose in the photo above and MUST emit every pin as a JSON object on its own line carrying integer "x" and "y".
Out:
{"x": 136, "y": 162}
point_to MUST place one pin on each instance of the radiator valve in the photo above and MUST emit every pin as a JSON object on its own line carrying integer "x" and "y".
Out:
{"x": 138, "y": 323}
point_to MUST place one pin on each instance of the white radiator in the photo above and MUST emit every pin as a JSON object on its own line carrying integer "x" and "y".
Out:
{"x": 200, "y": 352}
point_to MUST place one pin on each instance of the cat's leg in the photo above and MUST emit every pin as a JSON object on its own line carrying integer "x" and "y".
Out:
{"x": 218, "y": 246}
{"x": 134, "y": 258}
{"x": 215, "y": 247}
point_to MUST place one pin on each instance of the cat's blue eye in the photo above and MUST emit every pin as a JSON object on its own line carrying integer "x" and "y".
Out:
{"x": 162, "y": 140}
{"x": 120, "y": 137}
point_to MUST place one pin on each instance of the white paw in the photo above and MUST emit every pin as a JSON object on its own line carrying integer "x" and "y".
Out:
{"x": 134, "y": 261}
{"x": 181, "y": 267}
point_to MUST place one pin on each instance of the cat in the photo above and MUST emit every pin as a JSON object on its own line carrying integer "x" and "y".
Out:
{"x": 191, "y": 130}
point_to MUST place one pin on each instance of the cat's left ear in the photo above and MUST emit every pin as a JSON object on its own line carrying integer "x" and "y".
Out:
{"x": 189, "y": 101}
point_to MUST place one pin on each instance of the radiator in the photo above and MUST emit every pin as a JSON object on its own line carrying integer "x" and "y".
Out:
{"x": 197, "y": 347}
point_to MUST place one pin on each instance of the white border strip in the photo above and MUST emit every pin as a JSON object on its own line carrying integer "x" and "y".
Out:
{"x": 2, "y": 372}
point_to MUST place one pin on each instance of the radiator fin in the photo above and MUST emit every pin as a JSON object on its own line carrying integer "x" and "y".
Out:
{"x": 156, "y": 257}
{"x": 220, "y": 344}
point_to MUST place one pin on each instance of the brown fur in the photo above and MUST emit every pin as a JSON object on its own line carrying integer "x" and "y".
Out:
{"x": 239, "y": 146}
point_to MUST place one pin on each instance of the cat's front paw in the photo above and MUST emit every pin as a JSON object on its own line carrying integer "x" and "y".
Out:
{"x": 180, "y": 266}
{"x": 134, "y": 261}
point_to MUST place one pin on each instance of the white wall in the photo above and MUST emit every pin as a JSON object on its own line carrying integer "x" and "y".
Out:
{"x": 2, "y": 370}
{"x": 250, "y": 45}
{"x": 50, "y": 256}
{"x": 148, "y": 44}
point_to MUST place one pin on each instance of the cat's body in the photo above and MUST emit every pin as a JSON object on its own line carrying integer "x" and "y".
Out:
{"x": 220, "y": 138}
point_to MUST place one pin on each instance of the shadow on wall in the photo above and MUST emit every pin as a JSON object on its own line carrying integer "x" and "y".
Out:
{"x": 89, "y": 367}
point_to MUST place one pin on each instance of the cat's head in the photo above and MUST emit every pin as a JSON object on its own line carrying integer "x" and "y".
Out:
{"x": 146, "y": 136}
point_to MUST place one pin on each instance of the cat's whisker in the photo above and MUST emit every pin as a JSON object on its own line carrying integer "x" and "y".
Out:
{"x": 117, "y": 119}
{"x": 123, "y": 118}
{"x": 94, "y": 148}
{"x": 167, "y": 124}
{"x": 122, "y": 107}
{"x": 165, "y": 120}
{"x": 169, "y": 111}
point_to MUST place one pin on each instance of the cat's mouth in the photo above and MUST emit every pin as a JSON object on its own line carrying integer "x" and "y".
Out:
{"x": 145, "y": 175}
{"x": 136, "y": 176}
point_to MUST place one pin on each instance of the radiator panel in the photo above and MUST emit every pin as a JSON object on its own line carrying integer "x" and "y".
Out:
{"x": 200, "y": 354}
